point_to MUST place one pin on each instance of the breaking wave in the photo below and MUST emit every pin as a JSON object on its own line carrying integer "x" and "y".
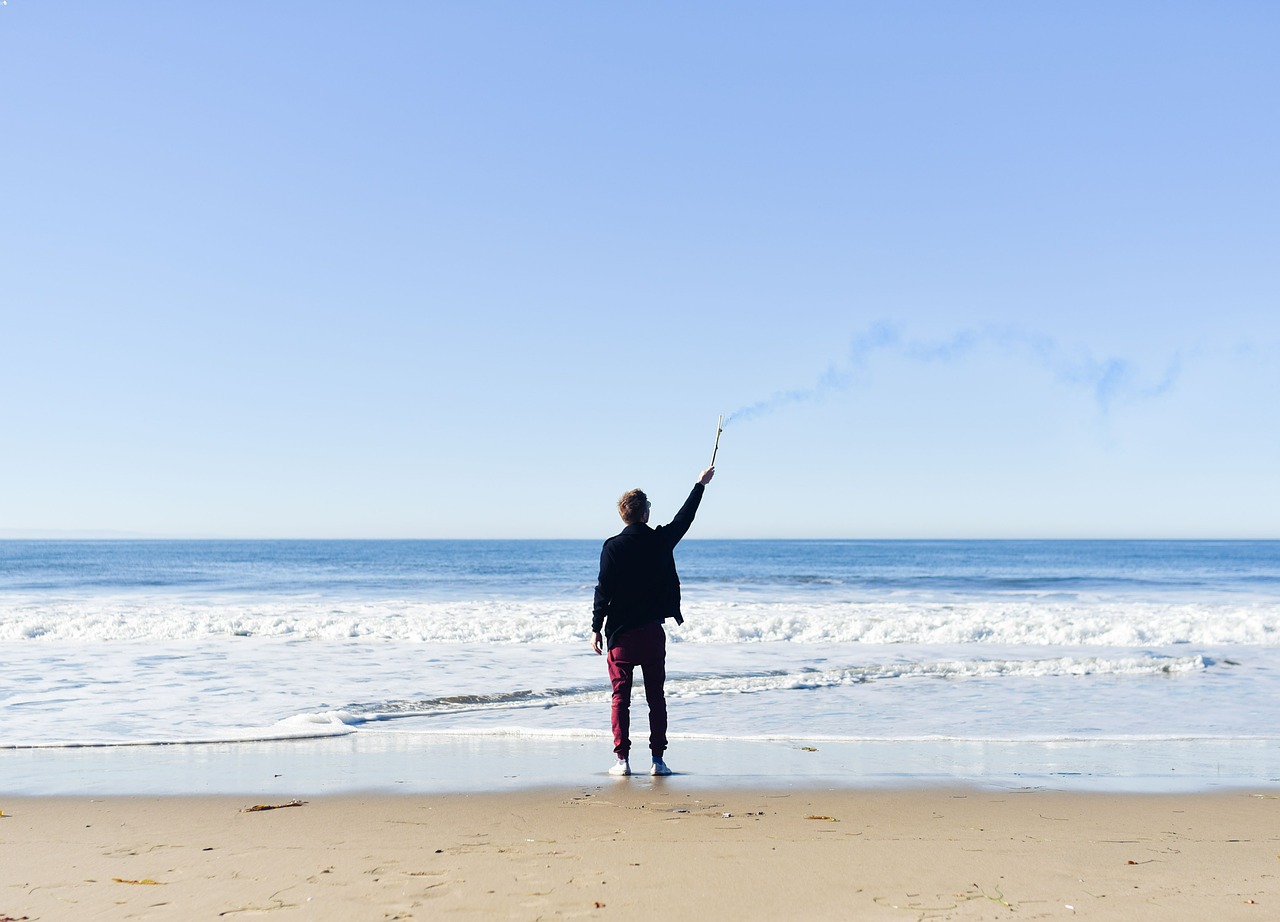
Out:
{"x": 518, "y": 622}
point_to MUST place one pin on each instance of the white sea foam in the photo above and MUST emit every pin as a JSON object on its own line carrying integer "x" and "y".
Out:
{"x": 681, "y": 687}
{"x": 262, "y": 688}
{"x": 306, "y": 727}
{"x": 1041, "y": 623}
{"x": 481, "y": 695}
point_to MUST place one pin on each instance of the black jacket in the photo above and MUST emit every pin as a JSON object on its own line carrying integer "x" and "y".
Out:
{"x": 638, "y": 582}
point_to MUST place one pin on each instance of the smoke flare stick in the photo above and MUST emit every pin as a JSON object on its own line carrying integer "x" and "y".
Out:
{"x": 719, "y": 429}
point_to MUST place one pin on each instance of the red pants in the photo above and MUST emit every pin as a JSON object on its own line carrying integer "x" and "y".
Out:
{"x": 645, "y": 647}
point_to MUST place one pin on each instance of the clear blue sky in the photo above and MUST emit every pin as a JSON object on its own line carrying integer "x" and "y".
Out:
{"x": 410, "y": 269}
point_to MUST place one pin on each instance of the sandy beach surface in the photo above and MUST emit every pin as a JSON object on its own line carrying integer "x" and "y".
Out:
{"x": 646, "y": 848}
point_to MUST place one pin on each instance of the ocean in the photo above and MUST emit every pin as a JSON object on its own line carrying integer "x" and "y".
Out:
{"x": 1125, "y": 644}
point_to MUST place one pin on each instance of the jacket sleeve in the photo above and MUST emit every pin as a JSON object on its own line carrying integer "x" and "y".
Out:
{"x": 600, "y": 607}
{"x": 673, "y": 532}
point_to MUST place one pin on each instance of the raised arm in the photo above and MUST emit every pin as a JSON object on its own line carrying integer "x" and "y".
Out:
{"x": 673, "y": 532}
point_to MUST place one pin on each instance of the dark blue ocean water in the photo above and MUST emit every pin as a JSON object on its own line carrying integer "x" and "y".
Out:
{"x": 540, "y": 569}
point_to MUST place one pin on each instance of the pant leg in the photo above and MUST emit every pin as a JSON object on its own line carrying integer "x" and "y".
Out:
{"x": 650, "y": 651}
{"x": 655, "y": 675}
{"x": 620, "y": 676}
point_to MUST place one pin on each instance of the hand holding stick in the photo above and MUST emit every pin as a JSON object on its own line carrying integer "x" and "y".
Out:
{"x": 710, "y": 472}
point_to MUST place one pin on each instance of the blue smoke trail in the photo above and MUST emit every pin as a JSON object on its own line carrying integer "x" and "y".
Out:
{"x": 1111, "y": 380}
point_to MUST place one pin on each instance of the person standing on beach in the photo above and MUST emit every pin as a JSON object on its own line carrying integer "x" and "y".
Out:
{"x": 637, "y": 590}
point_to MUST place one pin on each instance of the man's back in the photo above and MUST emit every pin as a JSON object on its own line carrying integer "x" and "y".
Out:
{"x": 638, "y": 581}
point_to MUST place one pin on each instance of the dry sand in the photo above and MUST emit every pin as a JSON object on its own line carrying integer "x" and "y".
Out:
{"x": 649, "y": 849}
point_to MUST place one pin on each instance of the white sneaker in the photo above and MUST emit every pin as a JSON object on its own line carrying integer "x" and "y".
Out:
{"x": 621, "y": 767}
{"x": 659, "y": 768}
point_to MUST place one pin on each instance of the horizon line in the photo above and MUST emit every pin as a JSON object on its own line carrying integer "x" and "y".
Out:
{"x": 91, "y": 535}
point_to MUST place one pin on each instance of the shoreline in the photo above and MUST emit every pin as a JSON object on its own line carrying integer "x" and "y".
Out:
{"x": 370, "y": 762}
{"x": 641, "y": 848}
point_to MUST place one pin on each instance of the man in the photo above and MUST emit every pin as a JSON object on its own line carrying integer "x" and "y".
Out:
{"x": 637, "y": 590}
